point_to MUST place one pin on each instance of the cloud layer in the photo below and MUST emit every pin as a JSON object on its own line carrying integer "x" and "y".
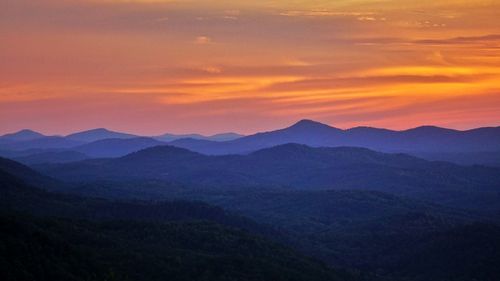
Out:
{"x": 210, "y": 66}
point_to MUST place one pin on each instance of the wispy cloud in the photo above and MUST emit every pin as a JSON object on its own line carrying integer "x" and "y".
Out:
{"x": 203, "y": 40}
{"x": 485, "y": 39}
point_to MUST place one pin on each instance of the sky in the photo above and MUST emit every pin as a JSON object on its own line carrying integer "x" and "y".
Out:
{"x": 156, "y": 66}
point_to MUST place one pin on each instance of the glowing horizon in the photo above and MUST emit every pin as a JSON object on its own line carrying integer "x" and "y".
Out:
{"x": 150, "y": 67}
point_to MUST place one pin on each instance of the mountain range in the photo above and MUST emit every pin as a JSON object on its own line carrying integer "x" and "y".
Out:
{"x": 476, "y": 146}
{"x": 421, "y": 140}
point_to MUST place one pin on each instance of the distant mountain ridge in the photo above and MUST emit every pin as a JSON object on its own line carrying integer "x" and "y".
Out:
{"x": 46, "y": 142}
{"x": 216, "y": 137}
{"x": 31, "y": 147}
{"x": 308, "y": 132}
{"x": 22, "y": 135}
{"x": 476, "y": 146}
{"x": 98, "y": 134}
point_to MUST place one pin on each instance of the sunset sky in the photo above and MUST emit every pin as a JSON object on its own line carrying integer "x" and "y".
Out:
{"x": 208, "y": 66}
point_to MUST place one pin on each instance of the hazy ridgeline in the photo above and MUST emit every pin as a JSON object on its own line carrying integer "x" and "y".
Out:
{"x": 476, "y": 146}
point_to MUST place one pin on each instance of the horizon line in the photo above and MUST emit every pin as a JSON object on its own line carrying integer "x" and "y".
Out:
{"x": 3, "y": 133}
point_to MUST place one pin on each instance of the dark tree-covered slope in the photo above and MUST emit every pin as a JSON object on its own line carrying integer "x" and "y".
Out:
{"x": 49, "y": 236}
{"x": 55, "y": 249}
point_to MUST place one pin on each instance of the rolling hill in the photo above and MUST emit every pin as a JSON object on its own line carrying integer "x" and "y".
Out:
{"x": 115, "y": 147}
{"x": 296, "y": 166}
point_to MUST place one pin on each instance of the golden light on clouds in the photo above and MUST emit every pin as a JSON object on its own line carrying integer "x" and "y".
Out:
{"x": 209, "y": 66}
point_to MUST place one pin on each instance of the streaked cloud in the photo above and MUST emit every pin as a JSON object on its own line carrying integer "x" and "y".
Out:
{"x": 485, "y": 39}
{"x": 325, "y": 13}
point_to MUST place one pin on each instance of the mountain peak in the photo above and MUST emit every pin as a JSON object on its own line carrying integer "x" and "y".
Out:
{"x": 307, "y": 122}
{"x": 310, "y": 124}
{"x": 25, "y": 134}
{"x": 27, "y": 131}
{"x": 428, "y": 129}
{"x": 98, "y": 134}
{"x": 98, "y": 130}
